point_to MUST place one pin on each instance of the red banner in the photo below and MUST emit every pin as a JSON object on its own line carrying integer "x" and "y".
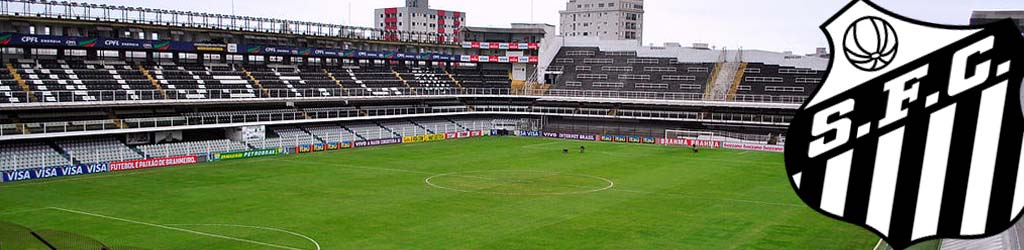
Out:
{"x": 153, "y": 163}
{"x": 501, "y": 46}
{"x": 477, "y": 133}
{"x": 690, "y": 142}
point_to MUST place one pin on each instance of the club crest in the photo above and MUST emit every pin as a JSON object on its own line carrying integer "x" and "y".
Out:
{"x": 917, "y": 131}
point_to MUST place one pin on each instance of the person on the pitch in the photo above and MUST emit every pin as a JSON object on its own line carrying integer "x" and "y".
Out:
{"x": 582, "y": 149}
{"x": 695, "y": 149}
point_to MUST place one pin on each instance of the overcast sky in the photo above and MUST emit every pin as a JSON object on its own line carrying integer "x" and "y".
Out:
{"x": 778, "y": 25}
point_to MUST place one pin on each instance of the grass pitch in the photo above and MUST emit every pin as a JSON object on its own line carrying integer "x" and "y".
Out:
{"x": 486, "y": 193}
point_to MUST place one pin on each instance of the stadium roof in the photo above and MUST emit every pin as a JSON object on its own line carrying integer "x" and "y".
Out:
{"x": 516, "y": 30}
{"x": 687, "y": 54}
{"x": 998, "y": 14}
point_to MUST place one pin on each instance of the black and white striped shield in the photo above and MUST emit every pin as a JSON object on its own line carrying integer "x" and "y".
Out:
{"x": 917, "y": 131}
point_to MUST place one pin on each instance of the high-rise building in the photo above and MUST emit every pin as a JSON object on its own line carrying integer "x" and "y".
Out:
{"x": 604, "y": 19}
{"x": 418, "y": 17}
{"x": 989, "y": 16}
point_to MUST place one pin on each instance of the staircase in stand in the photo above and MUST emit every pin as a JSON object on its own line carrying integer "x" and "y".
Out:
{"x": 336, "y": 81}
{"x": 736, "y": 82}
{"x": 456, "y": 81}
{"x": 457, "y": 124}
{"x": 429, "y": 131}
{"x": 21, "y": 82}
{"x": 388, "y": 129}
{"x": 256, "y": 82}
{"x": 724, "y": 80}
{"x": 399, "y": 76}
{"x": 153, "y": 81}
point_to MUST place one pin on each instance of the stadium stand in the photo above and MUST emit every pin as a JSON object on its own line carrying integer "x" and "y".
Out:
{"x": 473, "y": 78}
{"x": 310, "y": 82}
{"x": 440, "y": 126}
{"x": 191, "y": 148}
{"x": 29, "y": 155}
{"x": 590, "y": 68}
{"x": 427, "y": 79}
{"x": 96, "y": 150}
{"x": 331, "y": 133}
{"x": 403, "y": 128}
{"x": 72, "y": 80}
{"x": 10, "y": 91}
{"x": 475, "y": 123}
{"x": 305, "y": 89}
{"x": 370, "y": 131}
{"x": 378, "y": 81}
{"x": 194, "y": 81}
{"x": 765, "y": 79}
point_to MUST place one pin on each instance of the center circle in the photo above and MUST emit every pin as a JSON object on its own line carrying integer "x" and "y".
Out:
{"x": 519, "y": 182}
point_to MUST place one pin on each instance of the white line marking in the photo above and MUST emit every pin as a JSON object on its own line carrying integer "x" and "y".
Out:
{"x": 933, "y": 172}
{"x": 311, "y": 240}
{"x": 983, "y": 160}
{"x": 714, "y": 199}
{"x": 176, "y": 229}
{"x": 610, "y": 185}
{"x": 615, "y": 189}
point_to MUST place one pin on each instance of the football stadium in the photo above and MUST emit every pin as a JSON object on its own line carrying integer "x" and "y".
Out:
{"x": 131, "y": 127}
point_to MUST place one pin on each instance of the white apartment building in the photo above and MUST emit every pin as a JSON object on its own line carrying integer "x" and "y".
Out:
{"x": 604, "y": 19}
{"x": 417, "y": 16}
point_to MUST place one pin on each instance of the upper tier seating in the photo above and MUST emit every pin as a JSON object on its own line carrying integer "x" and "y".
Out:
{"x": 428, "y": 79}
{"x": 70, "y": 80}
{"x": 10, "y": 91}
{"x": 376, "y": 81}
{"x": 193, "y": 81}
{"x": 472, "y": 78}
{"x": 775, "y": 80}
{"x": 30, "y": 155}
{"x": 306, "y": 81}
{"x": 591, "y": 69}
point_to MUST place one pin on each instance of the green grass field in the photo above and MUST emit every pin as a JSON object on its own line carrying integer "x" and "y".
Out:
{"x": 486, "y": 193}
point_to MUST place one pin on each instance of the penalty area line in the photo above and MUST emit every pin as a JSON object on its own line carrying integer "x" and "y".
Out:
{"x": 175, "y": 229}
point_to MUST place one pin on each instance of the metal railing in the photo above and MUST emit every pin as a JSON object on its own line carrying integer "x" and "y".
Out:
{"x": 101, "y": 96}
{"x": 676, "y": 96}
{"x": 141, "y": 15}
{"x": 334, "y": 115}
